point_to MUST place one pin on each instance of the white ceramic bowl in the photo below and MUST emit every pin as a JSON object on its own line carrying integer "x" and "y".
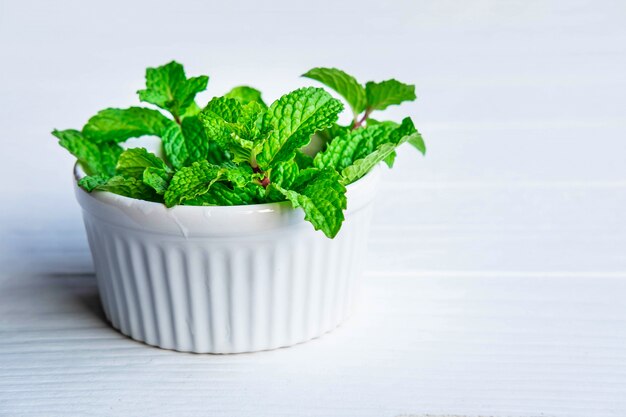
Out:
{"x": 224, "y": 279}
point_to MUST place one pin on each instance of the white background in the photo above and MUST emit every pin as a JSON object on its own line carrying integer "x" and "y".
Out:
{"x": 496, "y": 283}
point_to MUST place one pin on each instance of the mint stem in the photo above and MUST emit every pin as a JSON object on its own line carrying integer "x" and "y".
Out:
{"x": 362, "y": 120}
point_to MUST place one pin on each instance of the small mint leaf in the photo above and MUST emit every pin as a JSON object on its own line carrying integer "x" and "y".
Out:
{"x": 167, "y": 87}
{"x": 384, "y": 94}
{"x": 133, "y": 162}
{"x": 245, "y": 95}
{"x": 344, "y": 84}
{"x": 91, "y": 182}
{"x": 157, "y": 178}
{"x": 417, "y": 142}
{"x": 191, "y": 182}
{"x": 323, "y": 199}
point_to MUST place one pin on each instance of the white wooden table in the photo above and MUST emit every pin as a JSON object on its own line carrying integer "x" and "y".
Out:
{"x": 462, "y": 313}
{"x": 496, "y": 284}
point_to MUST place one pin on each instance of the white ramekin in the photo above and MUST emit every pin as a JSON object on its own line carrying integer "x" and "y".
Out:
{"x": 224, "y": 279}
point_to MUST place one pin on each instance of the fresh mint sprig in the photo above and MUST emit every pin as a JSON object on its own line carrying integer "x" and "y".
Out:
{"x": 237, "y": 150}
{"x": 363, "y": 99}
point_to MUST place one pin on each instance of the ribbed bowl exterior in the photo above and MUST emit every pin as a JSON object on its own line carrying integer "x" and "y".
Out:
{"x": 228, "y": 292}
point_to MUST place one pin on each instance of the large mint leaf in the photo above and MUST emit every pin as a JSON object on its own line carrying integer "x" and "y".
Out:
{"x": 292, "y": 119}
{"x": 133, "y": 162}
{"x": 384, "y": 94}
{"x": 174, "y": 145}
{"x": 196, "y": 139}
{"x": 126, "y": 186}
{"x": 95, "y": 158}
{"x": 221, "y": 194}
{"x": 167, "y": 87}
{"x": 120, "y": 124}
{"x": 346, "y": 85}
{"x": 403, "y": 133}
{"x": 323, "y": 199}
{"x": 245, "y": 95}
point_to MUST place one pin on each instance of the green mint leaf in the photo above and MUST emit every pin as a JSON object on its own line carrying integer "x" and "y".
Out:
{"x": 157, "y": 178}
{"x": 191, "y": 182}
{"x": 95, "y": 158}
{"x": 91, "y": 182}
{"x": 417, "y": 142}
{"x": 167, "y": 87}
{"x": 390, "y": 159}
{"x": 133, "y": 162}
{"x": 284, "y": 174}
{"x": 323, "y": 200}
{"x": 216, "y": 154}
{"x": 174, "y": 146}
{"x": 390, "y": 125}
{"x": 192, "y": 110}
{"x": 344, "y": 84}
{"x": 292, "y": 119}
{"x": 303, "y": 160}
{"x": 364, "y": 165}
{"x": 128, "y": 187}
{"x": 221, "y": 194}
{"x": 384, "y": 94}
{"x": 351, "y": 145}
{"x": 233, "y": 126}
{"x": 224, "y": 109}
{"x": 383, "y": 149}
{"x": 245, "y": 95}
{"x": 120, "y": 124}
{"x": 196, "y": 139}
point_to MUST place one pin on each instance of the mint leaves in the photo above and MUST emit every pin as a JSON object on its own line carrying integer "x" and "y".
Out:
{"x": 292, "y": 119}
{"x": 168, "y": 88}
{"x": 346, "y": 85}
{"x": 372, "y": 96}
{"x": 237, "y": 150}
